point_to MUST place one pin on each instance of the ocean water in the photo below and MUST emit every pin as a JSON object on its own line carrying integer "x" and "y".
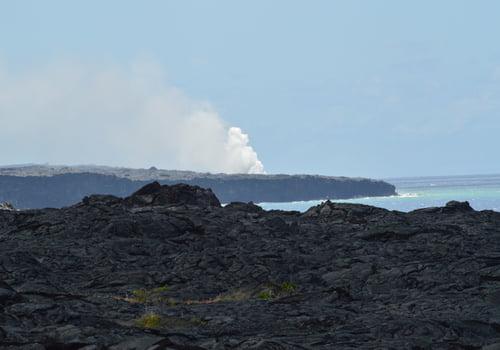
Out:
{"x": 482, "y": 192}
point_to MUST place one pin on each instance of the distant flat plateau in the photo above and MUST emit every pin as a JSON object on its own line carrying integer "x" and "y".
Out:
{"x": 39, "y": 186}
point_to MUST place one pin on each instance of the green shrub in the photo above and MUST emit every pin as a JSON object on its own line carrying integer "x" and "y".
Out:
{"x": 140, "y": 295}
{"x": 147, "y": 296}
{"x": 288, "y": 287}
{"x": 277, "y": 291}
{"x": 150, "y": 320}
{"x": 265, "y": 295}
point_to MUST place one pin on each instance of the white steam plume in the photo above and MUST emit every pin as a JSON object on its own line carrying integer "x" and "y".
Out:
{"x": 81, "y": 114}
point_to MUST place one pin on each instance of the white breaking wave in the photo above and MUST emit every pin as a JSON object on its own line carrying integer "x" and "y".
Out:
{"x": 408, "y": 195}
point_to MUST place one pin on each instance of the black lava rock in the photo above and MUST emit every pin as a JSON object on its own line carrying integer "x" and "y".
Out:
{"x": 155, "y": 194}
{"x": 169, "y": 268}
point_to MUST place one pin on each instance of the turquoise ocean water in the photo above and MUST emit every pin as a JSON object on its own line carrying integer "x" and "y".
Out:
{"x": 482, "y": 192}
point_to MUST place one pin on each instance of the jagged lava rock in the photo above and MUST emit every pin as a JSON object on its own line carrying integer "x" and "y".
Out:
{"x": 169, "y": 268}
{"x": 155, "y": 194}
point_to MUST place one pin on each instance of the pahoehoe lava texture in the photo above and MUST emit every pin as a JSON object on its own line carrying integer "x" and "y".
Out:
{"x": 169, "y": 268}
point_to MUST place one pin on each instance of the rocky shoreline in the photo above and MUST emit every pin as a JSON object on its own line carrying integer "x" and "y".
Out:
{"x": 170, "y": 268}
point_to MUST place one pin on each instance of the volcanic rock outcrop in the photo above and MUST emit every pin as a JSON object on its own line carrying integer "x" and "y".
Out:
{"x": 169, "y": 268}
{"x": 155, "y": 194}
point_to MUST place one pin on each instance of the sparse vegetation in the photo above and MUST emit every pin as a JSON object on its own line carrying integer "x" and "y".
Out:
{"x": 148, "y": 296}
{"x": 288, "y": 287}
{"x": 139, "y": 296}
{"x": 228, "y": 297}
{"x": 155, "y": 295}
{"x": 265, "y": 295}
{"x": 277, "y": 291}
{"x": 150, "y": 320}
{"x": 159, "y": 289}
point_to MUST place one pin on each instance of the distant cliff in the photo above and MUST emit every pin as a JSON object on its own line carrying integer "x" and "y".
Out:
{"x": 38, "y": 186}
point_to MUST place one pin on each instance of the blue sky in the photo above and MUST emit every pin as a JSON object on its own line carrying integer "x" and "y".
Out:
{"x": 357, "y": 88}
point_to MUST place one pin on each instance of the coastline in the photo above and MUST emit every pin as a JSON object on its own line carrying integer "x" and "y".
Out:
{"x": 45, "y": 186}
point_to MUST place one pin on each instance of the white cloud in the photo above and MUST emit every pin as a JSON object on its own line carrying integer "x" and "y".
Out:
{"x": 73, "y": 113}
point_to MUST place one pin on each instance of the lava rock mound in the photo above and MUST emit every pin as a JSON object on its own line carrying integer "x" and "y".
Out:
{"x": 155, "y": 194}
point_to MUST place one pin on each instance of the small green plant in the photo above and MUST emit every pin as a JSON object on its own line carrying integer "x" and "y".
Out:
{"x": 277, "y": 291}
{"x": 158, "y": 290}
{"x": 147, "y": 296}
{"x": 265, "y": 295}
{"x": 288, "y": 287}
{"x": 140, "y": 295}
{"x": 150, "y": 320}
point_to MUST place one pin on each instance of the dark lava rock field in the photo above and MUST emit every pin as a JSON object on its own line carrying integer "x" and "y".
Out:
{"x": 169, "y": 268}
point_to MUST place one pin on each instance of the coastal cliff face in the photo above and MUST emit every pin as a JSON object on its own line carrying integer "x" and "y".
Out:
{"x": 66, "y": 189}
{"x": 170, "y": 268}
